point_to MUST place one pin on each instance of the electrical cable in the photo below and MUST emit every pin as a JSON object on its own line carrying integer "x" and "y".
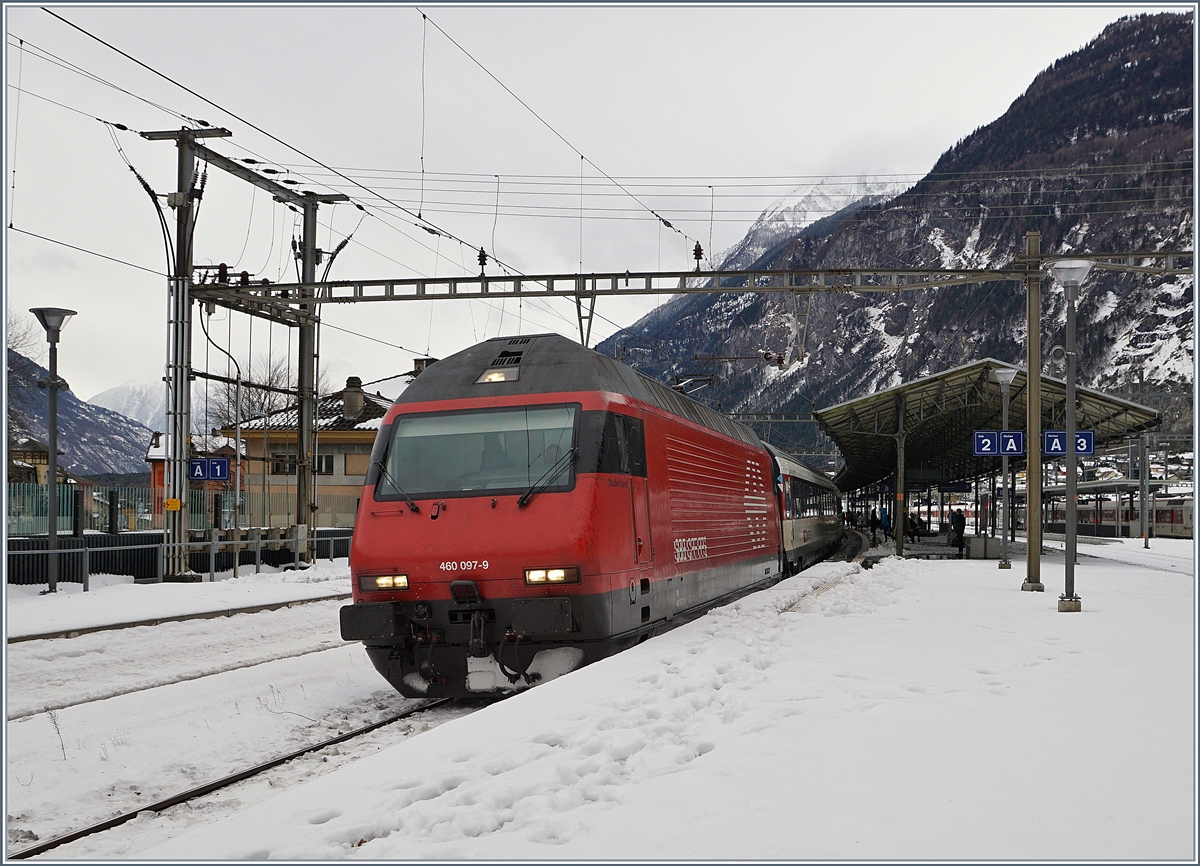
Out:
{"x": 154, "y": 198}
{"x": 423, "y": 29}
{"x": 422, "y": 223}
{"x": 79, "y": 70}
{"x": 552, "y": 129}
{"x": 12, "y": 195}
{"x": 712, "y": 201}
{"x": 249, "y": 225}
{"x": 89, "y": 252}
{"x": 496, "y": 216}
{"x": 789, "y": 181}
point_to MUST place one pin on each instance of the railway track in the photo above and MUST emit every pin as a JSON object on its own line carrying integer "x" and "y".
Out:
{"x": 217, "y": 784}
{"x": 142, "y": 687}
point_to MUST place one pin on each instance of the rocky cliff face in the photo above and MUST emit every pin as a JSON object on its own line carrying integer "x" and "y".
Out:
{"x": 1096, "y": 156}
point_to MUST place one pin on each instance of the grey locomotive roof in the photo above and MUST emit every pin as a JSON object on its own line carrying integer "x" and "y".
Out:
{"x": 798, "y": 468}
{"x": 551, "y": 363}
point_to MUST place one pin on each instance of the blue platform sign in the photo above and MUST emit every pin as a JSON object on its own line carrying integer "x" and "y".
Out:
{"x": 987, "y": 443}
{"x": 1054, "y": 443}
{"x": 218, "y": 468}
{"x": 208, "y": 469}
{"x": 1012, "y": 443}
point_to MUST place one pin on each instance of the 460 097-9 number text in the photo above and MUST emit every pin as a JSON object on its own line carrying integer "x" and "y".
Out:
{"x": 464, "y": 565}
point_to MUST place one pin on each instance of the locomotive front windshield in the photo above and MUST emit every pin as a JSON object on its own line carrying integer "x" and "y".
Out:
{"x": 494, "y": 451}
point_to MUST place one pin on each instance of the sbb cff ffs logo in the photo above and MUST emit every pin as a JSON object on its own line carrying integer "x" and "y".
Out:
{"x": 687, "y": 549}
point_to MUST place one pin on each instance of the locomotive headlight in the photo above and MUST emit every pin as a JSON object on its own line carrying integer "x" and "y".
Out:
{"x": 551, "y": 575}
{"x": 379, "y": 582}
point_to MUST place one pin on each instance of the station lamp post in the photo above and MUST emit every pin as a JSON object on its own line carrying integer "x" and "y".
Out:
{"x": 1070, "y": 274}
{"x": 53, "y": 319}
{"x": 1005, "y": 377}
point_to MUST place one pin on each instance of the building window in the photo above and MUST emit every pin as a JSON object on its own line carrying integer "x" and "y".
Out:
{"x": 283, "y": 463}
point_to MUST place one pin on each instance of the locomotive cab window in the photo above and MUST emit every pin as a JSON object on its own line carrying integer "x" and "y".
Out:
{"x": 612, "y": 443}
{"x": 477, "y": 452}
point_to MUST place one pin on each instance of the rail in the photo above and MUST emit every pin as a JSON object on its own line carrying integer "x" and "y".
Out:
{"x": 216, "y": 785}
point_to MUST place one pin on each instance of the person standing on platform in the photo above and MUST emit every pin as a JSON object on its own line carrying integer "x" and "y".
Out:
{"x": 885, "y": 524}
{"x": 958, "y": 530}
{"x": 874, "y": 527}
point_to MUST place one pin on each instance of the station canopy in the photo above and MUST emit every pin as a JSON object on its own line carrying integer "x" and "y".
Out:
{"x": 941, "y": 413}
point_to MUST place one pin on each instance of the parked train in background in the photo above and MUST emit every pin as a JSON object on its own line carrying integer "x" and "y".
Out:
{"x": 1172, "y": 517}
{"x": 533, "y": 506}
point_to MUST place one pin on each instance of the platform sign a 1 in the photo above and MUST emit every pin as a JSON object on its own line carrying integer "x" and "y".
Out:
{"x": 1012, "y": 443}
{"x": 208, "y": 469}
{"x": 987, "y": 443}
{"x": 218, "y": 468}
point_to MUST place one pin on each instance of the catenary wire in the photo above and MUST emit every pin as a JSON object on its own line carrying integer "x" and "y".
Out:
{"x": 89, "y": 252}
{"x": 422, "y": 222}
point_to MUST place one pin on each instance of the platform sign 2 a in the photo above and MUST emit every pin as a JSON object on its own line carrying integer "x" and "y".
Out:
{"x": 987, "y": 443}
{"x": 1054, "y": 443}
{"x": 208, "y": 469}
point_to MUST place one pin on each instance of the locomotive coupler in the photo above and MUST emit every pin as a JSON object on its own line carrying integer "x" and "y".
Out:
{"x": 477, "y": 645}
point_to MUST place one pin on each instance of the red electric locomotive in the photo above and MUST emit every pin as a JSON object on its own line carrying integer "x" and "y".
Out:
{"x": 533, "y": 505}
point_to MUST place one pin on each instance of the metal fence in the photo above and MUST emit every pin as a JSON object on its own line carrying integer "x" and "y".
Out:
{"x": 77, "y": 562}
{"x": 139, "y": 509}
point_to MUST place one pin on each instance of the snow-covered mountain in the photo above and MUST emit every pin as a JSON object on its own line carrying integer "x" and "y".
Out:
{"x": 1096, "y": 156}
{"x": 94, "y": 440}
{"x": 802, "y": 207}
{"x": 142, "y": 401}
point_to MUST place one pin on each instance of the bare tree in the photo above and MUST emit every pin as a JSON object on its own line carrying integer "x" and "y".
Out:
{"x": 23, "y": 334}
{"x": 256, "y": 402}
{"x": 23, "y": 338}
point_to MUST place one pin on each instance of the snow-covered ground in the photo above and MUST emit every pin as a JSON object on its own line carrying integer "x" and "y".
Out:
{"x": 27, "y": 612}
{"x": 919, "y": 709}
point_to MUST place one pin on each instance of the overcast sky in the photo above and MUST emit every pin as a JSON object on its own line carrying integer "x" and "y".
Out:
{"x": 752, "y": 102}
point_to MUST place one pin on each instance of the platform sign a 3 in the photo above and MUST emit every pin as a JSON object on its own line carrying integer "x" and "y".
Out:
{"x": 987, "y": 443}
{"x": 1054, "y": 443}
{"x": 1012, "y": 443}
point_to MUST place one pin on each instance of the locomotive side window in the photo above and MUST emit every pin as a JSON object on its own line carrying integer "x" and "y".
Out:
{"x": 613, "y": 444}
{"x": 457, "y": 453}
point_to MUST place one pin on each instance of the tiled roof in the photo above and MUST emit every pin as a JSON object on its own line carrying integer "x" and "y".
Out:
{"x": 329, "y": 415}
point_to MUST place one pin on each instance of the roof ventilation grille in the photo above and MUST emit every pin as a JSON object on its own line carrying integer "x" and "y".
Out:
{"x": 520, "y": 341}
{"x": 507, "y": 359}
